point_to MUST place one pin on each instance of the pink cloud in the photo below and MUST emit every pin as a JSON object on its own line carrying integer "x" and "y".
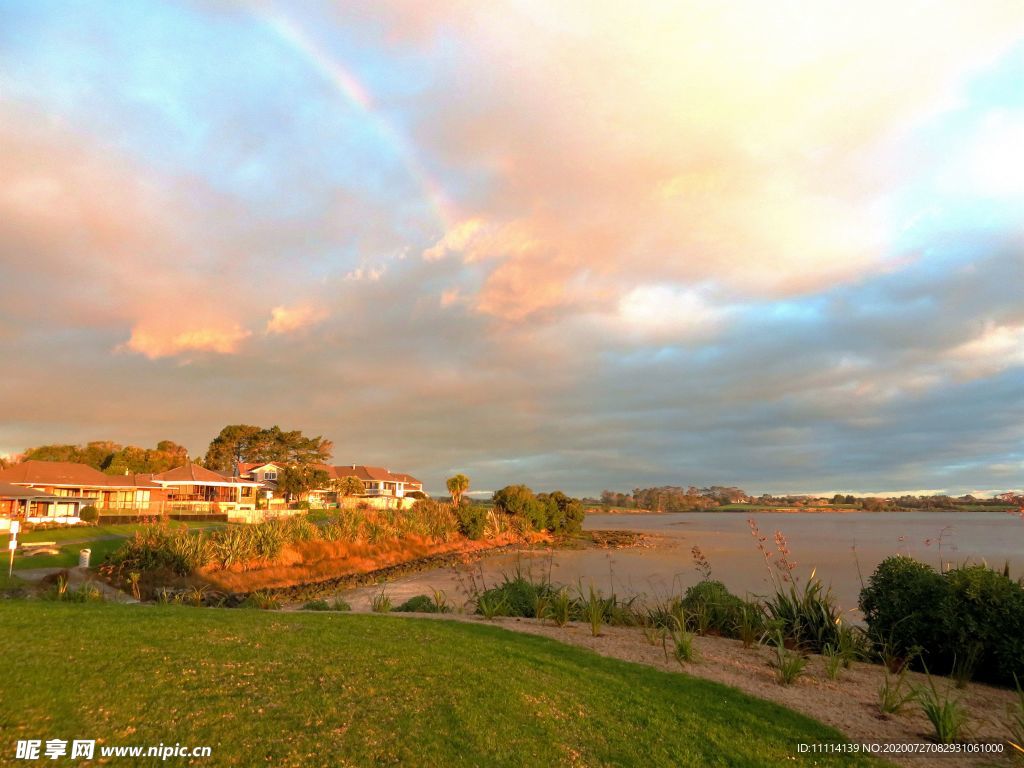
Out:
{"x": 285, "y": 320}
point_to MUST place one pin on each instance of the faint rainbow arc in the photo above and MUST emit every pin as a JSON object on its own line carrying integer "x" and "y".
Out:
{"x": 356, "y": 94}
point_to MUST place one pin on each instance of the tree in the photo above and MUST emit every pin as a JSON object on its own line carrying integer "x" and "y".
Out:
{"x": 457, "y": 487}
{"x": 518, "y": 501}
{"x": 349, "y": 486}
{"x": 246, "y": 442}
{"x": 113, "y": 458}
{"x": 299, "y": 479}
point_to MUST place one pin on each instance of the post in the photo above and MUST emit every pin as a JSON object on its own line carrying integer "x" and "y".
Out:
{"x": 13, "y": 545}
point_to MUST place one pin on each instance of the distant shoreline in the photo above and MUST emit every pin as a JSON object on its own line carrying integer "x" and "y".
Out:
{"x": 595, "y": 511}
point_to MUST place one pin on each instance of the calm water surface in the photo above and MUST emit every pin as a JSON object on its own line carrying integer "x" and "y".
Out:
{"x": 836, "y": 544}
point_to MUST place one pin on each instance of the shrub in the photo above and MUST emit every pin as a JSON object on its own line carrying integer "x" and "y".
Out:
{"x": 518, "y": 595}
{"x": 89, "y": 514}
{"x": 266, "y": 601}
{"x": 340, "y": 604}
{"x": 969, "y": 620}
{"x": 518, "y": 502}
{"x": 562, "y": 514}
{"x": 316, "y": 605}
{"x": 902, "y": 606}
{"x": 156, "y": 548}
{"x": 491, "y": 604}
{"x": 714, "y": 608}
{"x": 983, "y": 622}
{"x": 472, "y": 520}
{"x": 419, "y": 604}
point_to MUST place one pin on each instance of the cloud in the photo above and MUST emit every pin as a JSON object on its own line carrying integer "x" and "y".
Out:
{"x": 734, "y": 243}
{"x": 156, "y": 343}
{"x": 284, "y": 320}
{"x": 756, "y": 146}
{"x": 997, "y": 347}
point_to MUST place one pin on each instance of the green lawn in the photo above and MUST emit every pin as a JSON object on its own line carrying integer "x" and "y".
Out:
{"x": 328, "y": 689}
{"x": 101, "y": 539}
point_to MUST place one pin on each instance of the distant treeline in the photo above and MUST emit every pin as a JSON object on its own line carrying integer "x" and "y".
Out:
{"x": 673, "y": 498}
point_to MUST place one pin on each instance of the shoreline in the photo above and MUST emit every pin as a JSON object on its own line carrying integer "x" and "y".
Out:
{"x": 317, "y": 588}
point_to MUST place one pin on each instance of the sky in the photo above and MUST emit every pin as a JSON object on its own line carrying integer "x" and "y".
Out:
{"x": 578, "y": 245}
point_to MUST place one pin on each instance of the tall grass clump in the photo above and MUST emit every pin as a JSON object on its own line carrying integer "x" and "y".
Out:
{"x": 682, "y": 646}
{"x": 946, "y": 714}
{"x": 263, "y": 600}
{"x": 833, "y": 662}
{"x": 381, "y": 602}
{"x": 749, "y": 623}
{"x": 807, "y": 614}
{"x": 492, "y": 604}
{"x": 594, "y": 608}
{"x": 893, "y": 694}
{"x": 788, "y": 665}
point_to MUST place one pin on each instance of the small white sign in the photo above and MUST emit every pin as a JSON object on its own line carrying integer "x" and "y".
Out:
{"x": 12, "y": 544}
{"x": 15, "y": 526}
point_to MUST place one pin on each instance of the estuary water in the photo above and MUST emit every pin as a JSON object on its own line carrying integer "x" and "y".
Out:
{"x": 844, "y": 548}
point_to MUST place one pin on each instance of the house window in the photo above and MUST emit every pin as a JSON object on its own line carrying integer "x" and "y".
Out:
{"x": 270, "y": 475}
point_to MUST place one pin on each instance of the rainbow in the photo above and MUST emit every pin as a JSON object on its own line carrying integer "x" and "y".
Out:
{"x": 346, "y": 84}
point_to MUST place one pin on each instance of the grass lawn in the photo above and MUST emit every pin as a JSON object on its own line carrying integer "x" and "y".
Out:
{"x": 329, "y": 689}
{"x": 101, "y": 539}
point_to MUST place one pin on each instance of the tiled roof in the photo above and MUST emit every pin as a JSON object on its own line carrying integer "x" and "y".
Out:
{"x": 9, "y": 491}
{"x": 193, "y": 473}
{"x": 68, "y": 473}
{"x": 364, "y": 472}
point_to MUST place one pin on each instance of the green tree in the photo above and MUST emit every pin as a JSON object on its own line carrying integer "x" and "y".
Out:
{"x": 457, "y": 487}
{"x": 246, "y": 442}
{"x": 297, "y": 480}
{"x": 519, "y": 502}
{"x": 349, "y": 486}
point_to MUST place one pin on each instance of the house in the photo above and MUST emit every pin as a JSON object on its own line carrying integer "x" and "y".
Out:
{"x": 57, "y": 491}
{"x": 79, "y": 485}
{"x": 377, "y": 481}
{"x": 25, "y": 503}
{"x": 200, "y": 490}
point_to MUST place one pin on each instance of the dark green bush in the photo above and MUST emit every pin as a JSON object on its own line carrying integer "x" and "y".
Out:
{"x": 983, "y": 619}
{"x": 902, "y": 605}
{"x": 89, "y": 514}
{"x": 317, "y": 605}
{"x": 554, "y": 512}
{"x": 419, "y": 604}
{"x": 519, "y": 595}
{"x": 562, "y": 514}
{"x": 472, "y": 520}
{"x": 971, "y": 614}
{"x": 714, "y": 606}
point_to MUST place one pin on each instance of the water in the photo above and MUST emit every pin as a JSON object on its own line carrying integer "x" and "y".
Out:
{"x": 842, "y": 547}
